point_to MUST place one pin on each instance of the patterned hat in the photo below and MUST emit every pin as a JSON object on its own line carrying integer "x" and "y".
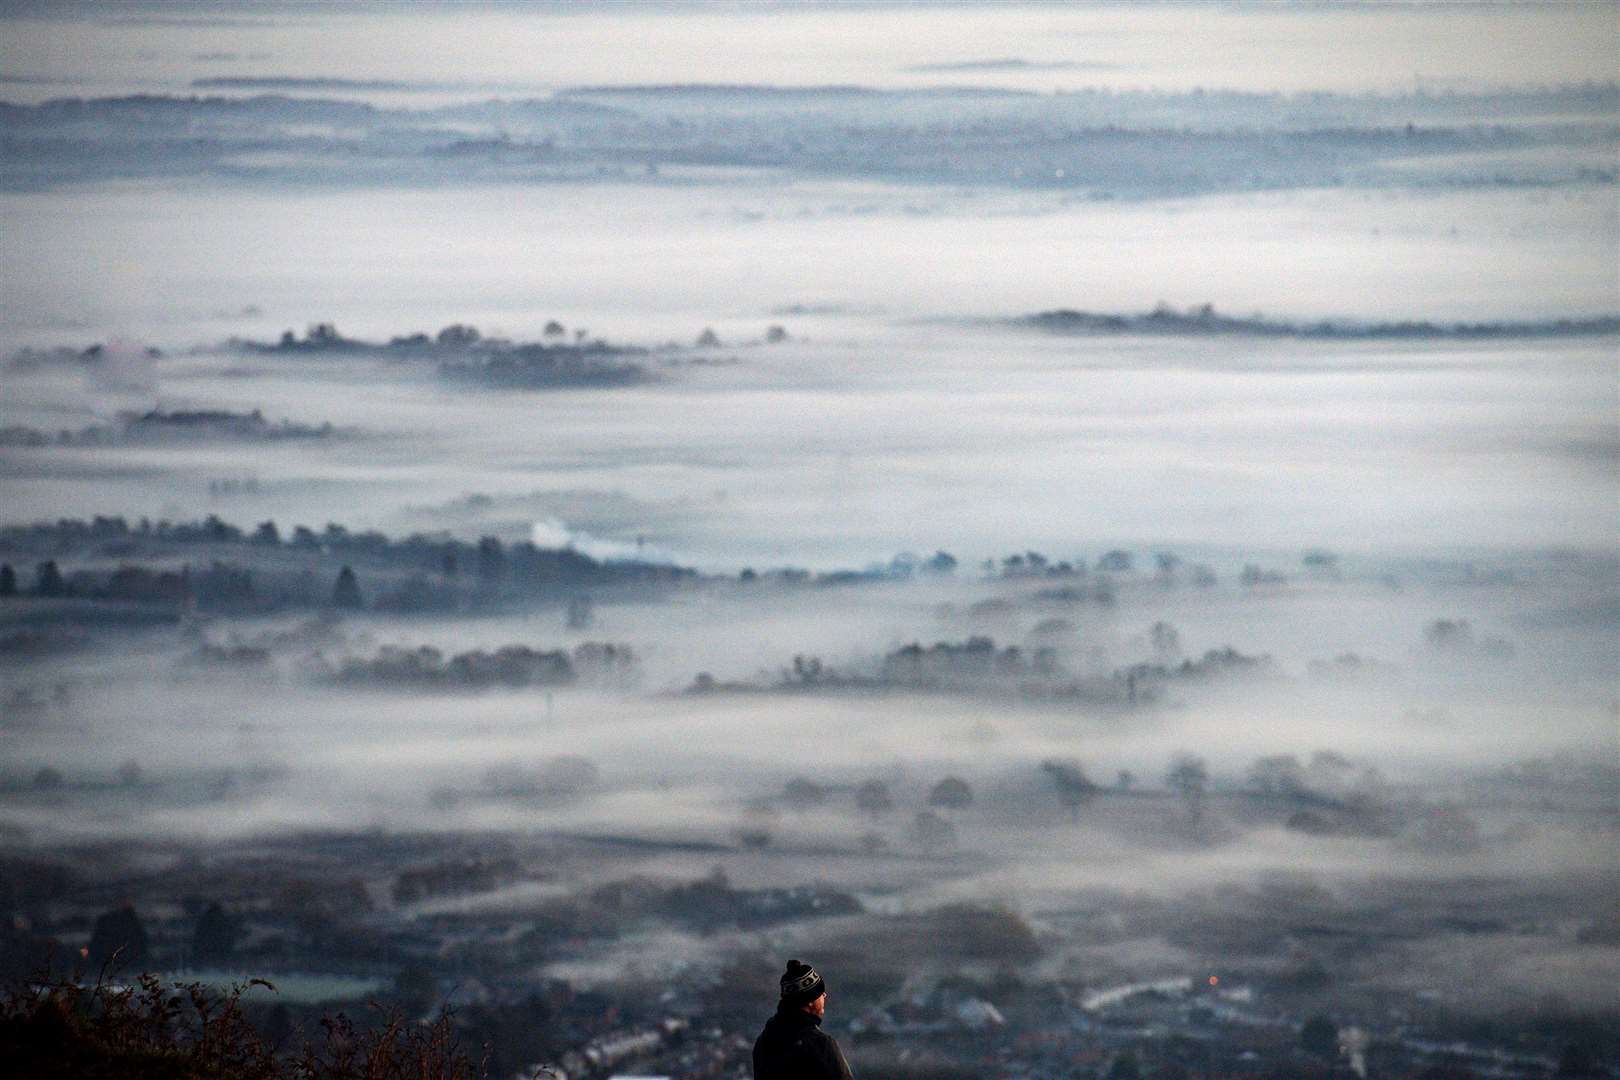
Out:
{"x": 801, "y": 984}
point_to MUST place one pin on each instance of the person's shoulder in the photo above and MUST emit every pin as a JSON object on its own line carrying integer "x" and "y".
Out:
{"x": 821, "y": 1041}
{"x": 825, "y": 1049}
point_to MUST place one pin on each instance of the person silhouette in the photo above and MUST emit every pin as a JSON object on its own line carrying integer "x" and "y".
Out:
{"x": 792, "y": 1045}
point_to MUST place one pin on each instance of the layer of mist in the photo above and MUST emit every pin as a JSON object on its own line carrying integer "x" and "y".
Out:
{"x": 1100, "y": 145}
{"x": 1093, "y": 524}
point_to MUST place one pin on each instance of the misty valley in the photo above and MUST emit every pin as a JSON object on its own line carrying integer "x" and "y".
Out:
{"x": 517, "y": 756}
{"x": 535, "y": 536}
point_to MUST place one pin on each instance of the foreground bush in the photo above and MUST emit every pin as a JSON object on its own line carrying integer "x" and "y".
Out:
{"x": 62, "y": 1030}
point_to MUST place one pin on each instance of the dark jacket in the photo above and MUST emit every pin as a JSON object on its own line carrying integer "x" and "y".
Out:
{"x": 793, "y": 1047}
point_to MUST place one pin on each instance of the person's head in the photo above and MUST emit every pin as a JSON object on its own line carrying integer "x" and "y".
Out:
{"x": 803, "y": 988}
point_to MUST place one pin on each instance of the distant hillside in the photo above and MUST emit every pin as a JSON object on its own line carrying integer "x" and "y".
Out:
{"x": 1205, "y": 320}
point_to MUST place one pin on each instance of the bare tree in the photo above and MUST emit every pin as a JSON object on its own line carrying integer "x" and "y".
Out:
{"x": 1074, "y": 789}
{"x": 1189, "y": 778}
{"x": 951, "y": 793}
{"x": 1166, "y": 642}
{"x": 1279, "y": 774}
{"x": 800, "y": 792}
{"x": 346, "y": 593}
{"x": 873, "y": 798}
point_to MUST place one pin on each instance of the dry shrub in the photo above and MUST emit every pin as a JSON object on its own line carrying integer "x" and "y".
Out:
{"x": 62, "y": 1029}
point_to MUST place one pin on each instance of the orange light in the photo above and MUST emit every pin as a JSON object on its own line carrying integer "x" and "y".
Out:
{"x": 1214, "y": 980}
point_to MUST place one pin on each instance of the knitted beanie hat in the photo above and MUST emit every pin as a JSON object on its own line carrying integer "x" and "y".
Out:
{"x": 801, "y": 984}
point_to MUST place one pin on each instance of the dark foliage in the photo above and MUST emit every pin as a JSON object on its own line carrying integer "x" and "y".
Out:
{"x": 411, "y": 574}
{"x": 464, "y": 354}
{"x": 1074, "y": 788}
{"x": 1205, "y": 320}
{"x": 48, "y": 580}
{"x": 511, "y": 666}
{"x": 952, "y": 793}
{"x": 157, "y": 426}
{"x": 215, "y": 938}
{"x": 63, "y": 1030}
{"x": 119, "y": 935}
{"x": 1320, "y": 1036}
{"x": 346, "y": 593}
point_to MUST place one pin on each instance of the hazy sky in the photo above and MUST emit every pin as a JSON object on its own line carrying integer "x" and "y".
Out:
{"x": 527, "y": 48}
